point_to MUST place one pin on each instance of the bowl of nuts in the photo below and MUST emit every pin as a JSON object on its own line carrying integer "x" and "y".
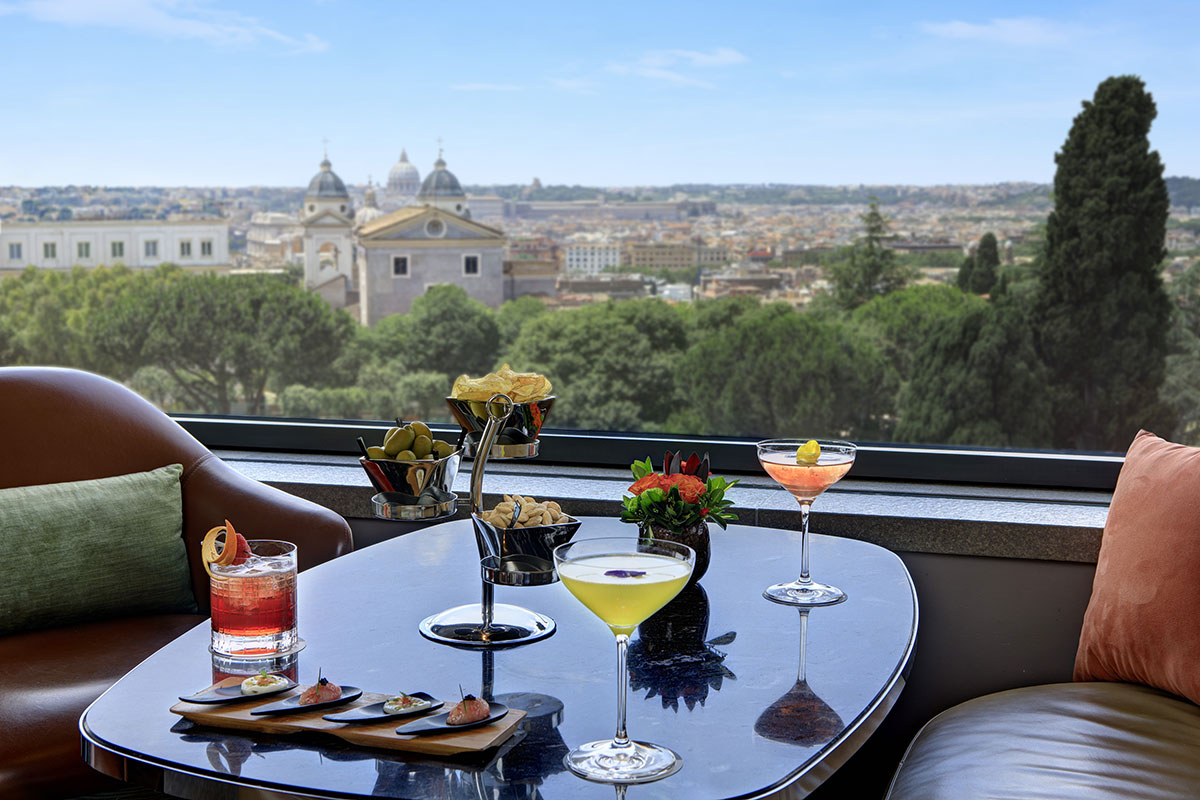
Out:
{"x": 520, "y": 534}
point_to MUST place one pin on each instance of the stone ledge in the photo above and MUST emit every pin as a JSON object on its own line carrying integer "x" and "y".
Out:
{"x": 994, "y": 521}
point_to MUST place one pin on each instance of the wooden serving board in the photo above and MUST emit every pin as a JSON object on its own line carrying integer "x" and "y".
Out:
{"x": 369, "y": 734}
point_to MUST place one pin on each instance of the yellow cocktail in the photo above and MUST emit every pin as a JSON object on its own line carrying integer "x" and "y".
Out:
{"x": 623, "y": 581}
{"x": 624, "y": 590}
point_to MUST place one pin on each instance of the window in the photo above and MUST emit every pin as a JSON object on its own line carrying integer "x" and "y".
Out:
{"x": 83, "y": 250}
{"x": 185, "y": 249}
{"x": 49, "y": 250}
{"x": 152, "y": 248}
{"x": 847, "y": 370}
{"x": 118, "y": 249}
{"x": 14, "y": 251}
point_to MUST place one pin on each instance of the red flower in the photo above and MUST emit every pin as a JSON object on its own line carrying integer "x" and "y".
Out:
{"x": 690, "y": 487}
{"x": 651, "y": 481}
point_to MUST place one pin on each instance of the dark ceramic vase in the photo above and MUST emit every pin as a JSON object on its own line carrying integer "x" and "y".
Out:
{"x": 695, "y": 537}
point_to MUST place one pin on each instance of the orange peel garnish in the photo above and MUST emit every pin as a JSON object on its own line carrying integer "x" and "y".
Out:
{"x": 224, "y": 557}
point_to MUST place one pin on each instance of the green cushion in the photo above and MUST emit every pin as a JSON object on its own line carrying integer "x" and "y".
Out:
{"x": 75, "y": 552}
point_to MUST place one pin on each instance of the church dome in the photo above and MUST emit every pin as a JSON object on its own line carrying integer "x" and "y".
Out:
{"x": 369, "y": 211}
{"x": 440, "y": 185}
{"x": 403, "y": 178}
{"x": 326, "y": 183}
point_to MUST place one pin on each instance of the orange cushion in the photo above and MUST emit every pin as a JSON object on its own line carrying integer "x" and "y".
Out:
{"x": 1143, "y": 622}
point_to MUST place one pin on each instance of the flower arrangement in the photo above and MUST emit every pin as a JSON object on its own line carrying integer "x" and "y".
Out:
{"x": 684, "y": 494}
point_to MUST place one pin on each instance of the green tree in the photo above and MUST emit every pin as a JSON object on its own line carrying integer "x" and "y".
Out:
{"x": 964, "y": 273}
{"x": 1181, "y": 386}
{"x": 987, "y": 260}
{"x": 220, "y": 338}
{"x": 512, "y": 316}
{"x": 902, "y": 321}
{"x": 612, "y": 364}
{"x": 871, "y": 268}
{"x": 1101, "y": 313}
{"x": 450, "y": 332}
{"x": 977, "y": 380}
{"x": 777, "y": 371}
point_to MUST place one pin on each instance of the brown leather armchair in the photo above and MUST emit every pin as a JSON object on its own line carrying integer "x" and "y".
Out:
{"x": 60, "y": 425}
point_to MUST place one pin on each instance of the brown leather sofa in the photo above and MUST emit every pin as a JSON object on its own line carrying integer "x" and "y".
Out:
{"x": 1063, "y": 741}
{"x": 61, "y": 425}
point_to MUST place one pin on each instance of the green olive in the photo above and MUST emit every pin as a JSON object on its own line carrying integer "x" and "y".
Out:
{"x": 399, "y": 439}
{"x": 421, "y": 429}
{"x": 406, "y": 455}
{"x": 376, "y": 452}
{"x": 422, "y": 446}
{"x": 442, "y": 449}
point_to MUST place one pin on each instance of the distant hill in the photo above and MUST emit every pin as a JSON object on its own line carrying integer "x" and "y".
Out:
{"x": 1184, "y": 191}
{"x": 1004, "y": 194}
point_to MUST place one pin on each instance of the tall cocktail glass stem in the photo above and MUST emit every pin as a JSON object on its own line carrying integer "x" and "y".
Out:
{"x": 805, "y": 508}
{"x": 621, "y": 739}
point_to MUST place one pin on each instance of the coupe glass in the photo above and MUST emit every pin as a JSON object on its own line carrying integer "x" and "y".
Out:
{"x": 805, "y": 481}
{"x": 623, "y": 581}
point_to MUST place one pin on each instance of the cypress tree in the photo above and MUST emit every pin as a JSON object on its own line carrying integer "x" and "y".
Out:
{"x": 1101, "y": 313}
{"x": 987, "y": 259}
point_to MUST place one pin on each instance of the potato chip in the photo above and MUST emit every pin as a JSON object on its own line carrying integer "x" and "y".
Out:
{"x": 522, "y": 387}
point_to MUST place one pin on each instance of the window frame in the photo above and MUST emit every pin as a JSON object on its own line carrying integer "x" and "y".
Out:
{"x": 15, "y": 251}
{"x": 50, "y": 251}
{"x": 185, "y": 248}
{"x": 83, "y": 250}
{"x": 407, "y": 266}
{"x": 478, "y": 265}
{"x": 146, "y": 247}
{"x": 206, "y": 248}
{"x": 731, "y": 455}
{"x": 117, "y": 249}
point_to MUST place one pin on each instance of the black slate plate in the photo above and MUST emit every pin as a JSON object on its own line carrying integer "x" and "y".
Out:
{"x": 374, "y": 712}
{"x": 438, "y": 724}
{"x": 292, "y": 704}
{"x": 232, "y": 694}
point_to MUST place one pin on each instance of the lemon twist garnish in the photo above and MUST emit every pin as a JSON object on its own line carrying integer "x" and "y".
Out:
{"x": 225, "y": 556}
{"x": 808, "y": 453}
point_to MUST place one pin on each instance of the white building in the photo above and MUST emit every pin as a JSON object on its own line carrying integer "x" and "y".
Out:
{"x": 327, "y": 221}
{"x": 273, "y": 238}
{"x": 403, "y": 183}
{"x": 193, "y": 244}
{"x": 591, "y": 258}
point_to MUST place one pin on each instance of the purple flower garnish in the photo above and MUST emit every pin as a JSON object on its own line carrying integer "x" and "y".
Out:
{"x": 624, "y": 573}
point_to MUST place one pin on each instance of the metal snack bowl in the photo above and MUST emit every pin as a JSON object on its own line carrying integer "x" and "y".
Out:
{"x": 413, "y": 477}
{"x": 521, "y": 556}
{"x": 429, "y": 505}
{"x": 518, "y": 438}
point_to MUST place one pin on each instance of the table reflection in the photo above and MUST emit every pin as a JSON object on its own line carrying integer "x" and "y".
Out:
{"x": 672, "y": 657}
{"x": 800, "y": 716}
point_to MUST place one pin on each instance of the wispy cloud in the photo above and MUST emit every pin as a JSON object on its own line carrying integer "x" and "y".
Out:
{"x": 1016, "y": 31}
{"x": 165, "y": 19}
{"x": 667, "y": 66}
{"x": 486, "y": 87}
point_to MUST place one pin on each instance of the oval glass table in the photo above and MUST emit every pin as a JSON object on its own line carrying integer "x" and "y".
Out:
{"x": 759, "y": 699}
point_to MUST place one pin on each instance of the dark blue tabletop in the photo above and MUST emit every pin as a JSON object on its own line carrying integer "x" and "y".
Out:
{"x": 714, "y": 676}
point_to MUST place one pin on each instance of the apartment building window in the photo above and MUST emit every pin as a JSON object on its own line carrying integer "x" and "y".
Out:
{"x": 49, "y": 250}
{"x": 470, "y": 265}
{"x": 83, "y": 250}
{"x": 118, "y": 249}
{"x": 14, "y": 251}
{"x": 399, "y": 266}
{"x": 206, "y": 247}
{"x": 185, "y": 249}
{"x": 152, "y": 248}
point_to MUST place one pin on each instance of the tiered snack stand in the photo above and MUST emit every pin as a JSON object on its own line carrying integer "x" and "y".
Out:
{"x": 501, "y": 429}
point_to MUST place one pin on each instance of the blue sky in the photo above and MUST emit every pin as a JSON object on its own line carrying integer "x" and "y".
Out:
{"x": 215, "y": 92}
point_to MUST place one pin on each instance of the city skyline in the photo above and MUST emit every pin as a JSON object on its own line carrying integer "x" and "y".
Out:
{"x": 168, "y": 93}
